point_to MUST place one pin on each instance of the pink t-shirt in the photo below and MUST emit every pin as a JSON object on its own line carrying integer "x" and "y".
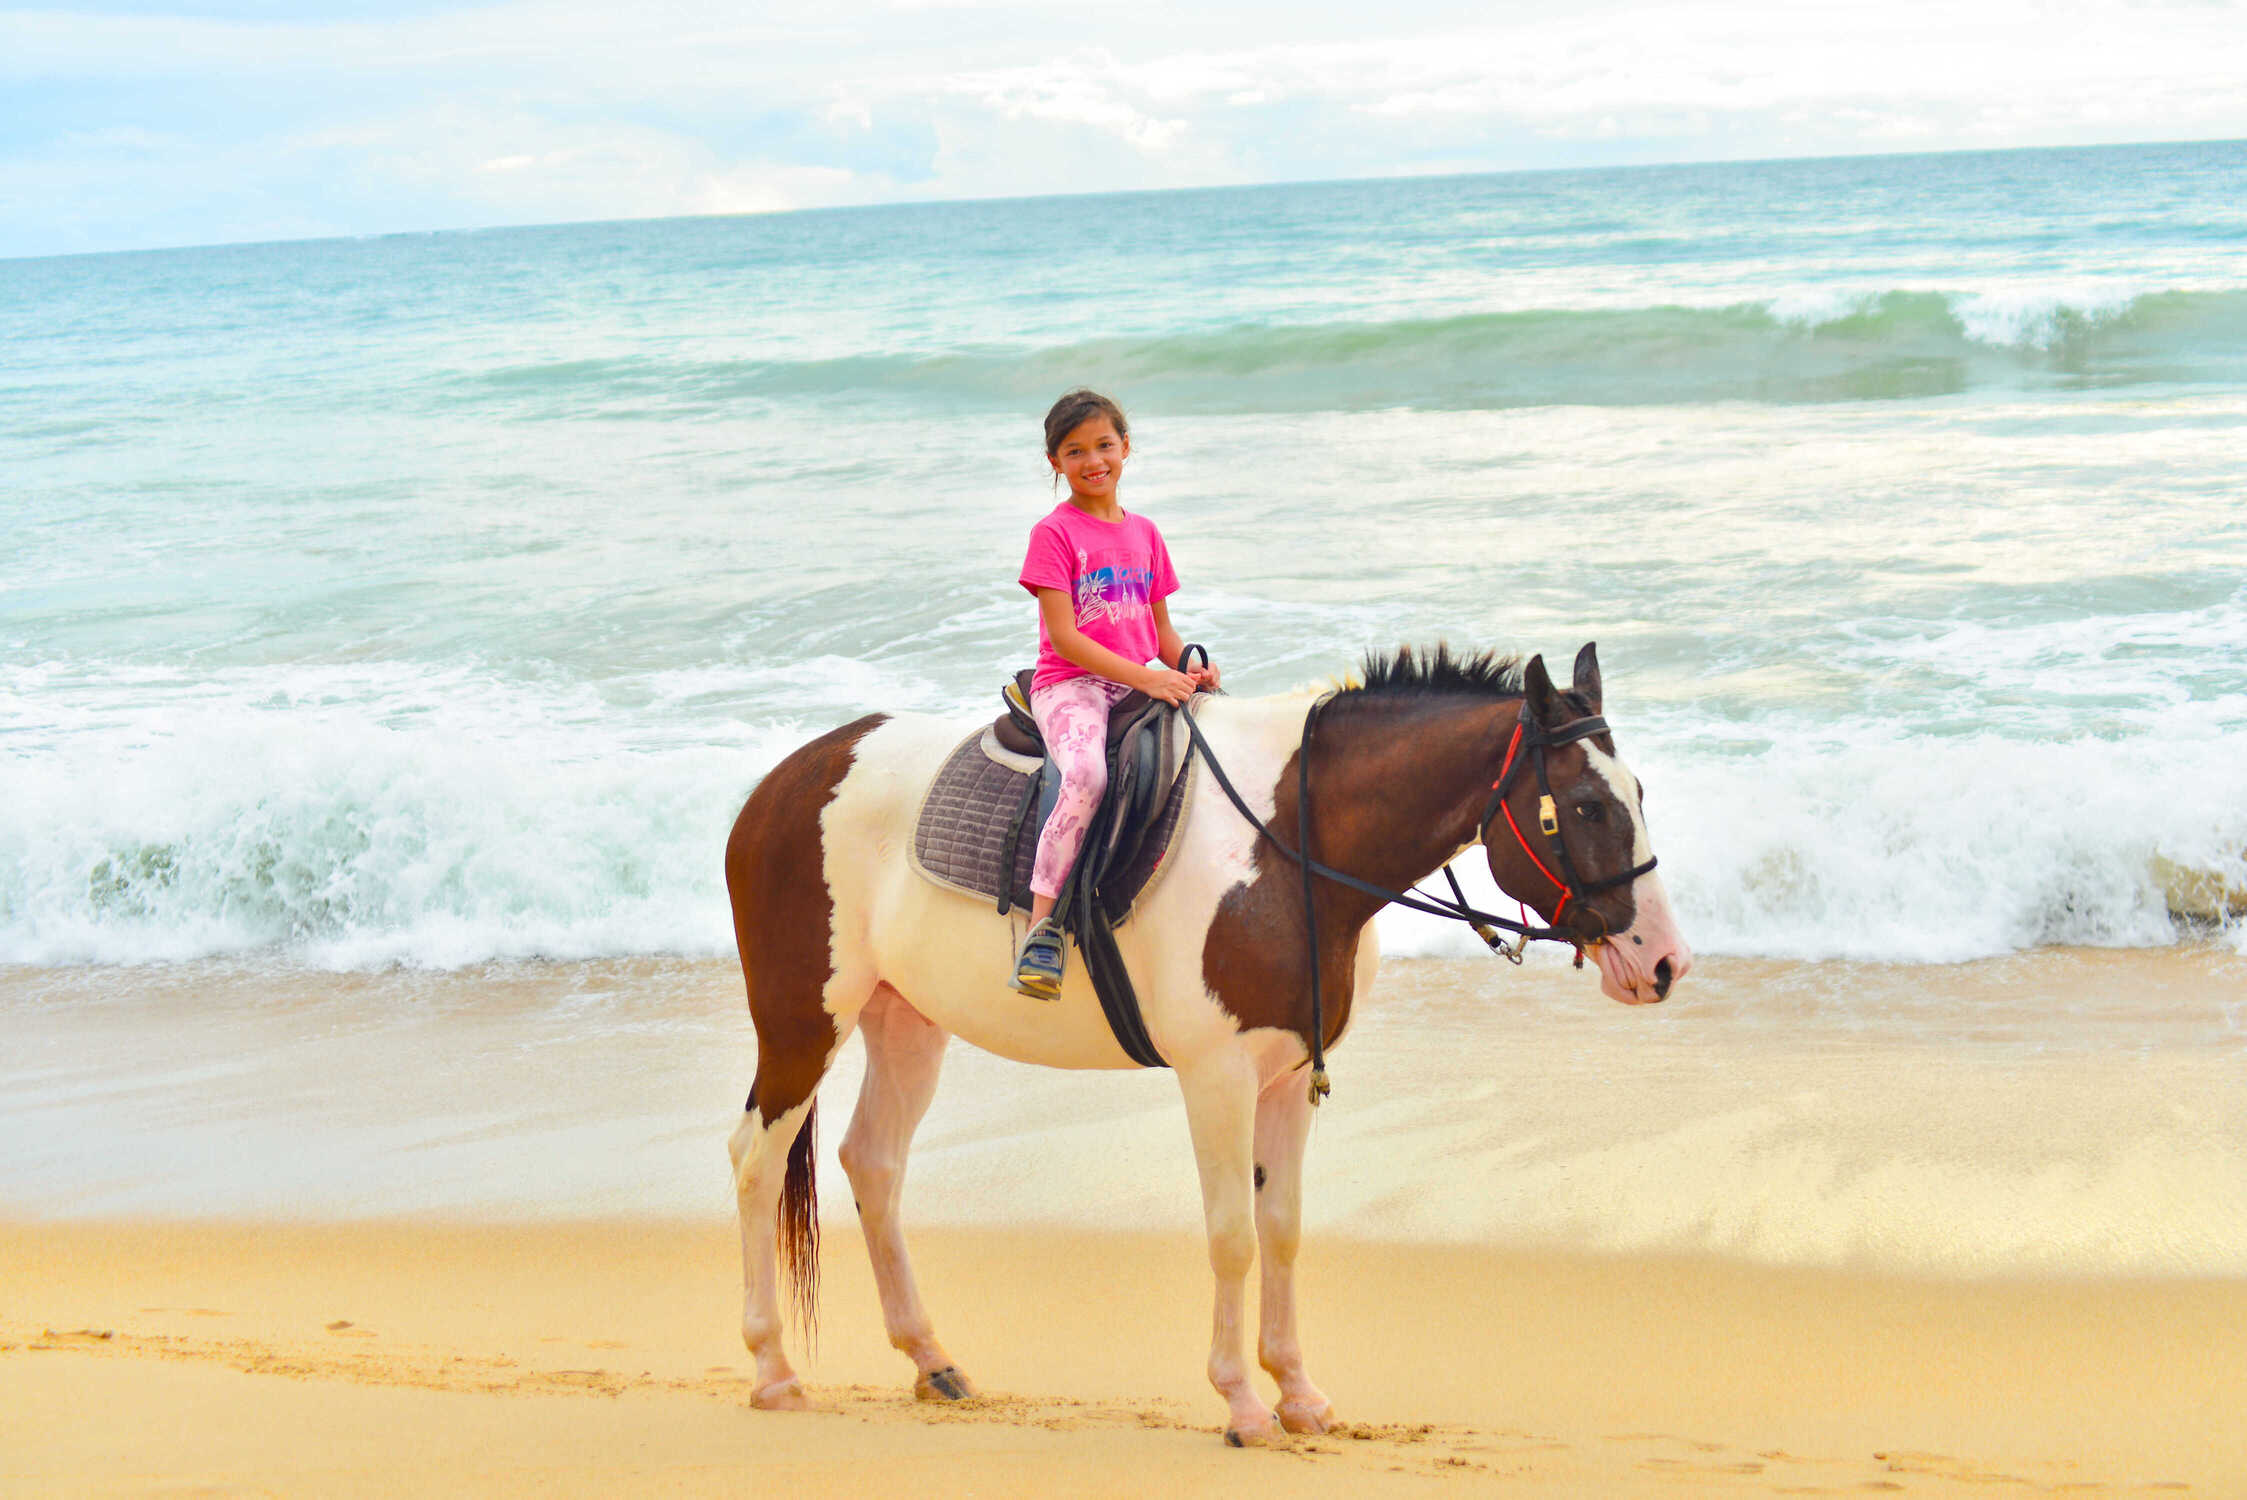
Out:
{"x": 1115, "y": 570}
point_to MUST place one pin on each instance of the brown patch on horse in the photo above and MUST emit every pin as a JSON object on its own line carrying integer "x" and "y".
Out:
{"x": 1253, "y": 956}
{"x": 783, "y": 919}
{"x": 1402, "y": 768}
{"x": 1397, "y": 782}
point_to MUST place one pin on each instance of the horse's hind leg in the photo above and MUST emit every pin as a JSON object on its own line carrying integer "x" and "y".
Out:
{"x": 794, "y": 963}
{"x": 1283, "y": 1125}
{"x": 775, "y": 1169}
{"x": 904, "y": 1051}
{"x": 773, "y": 1142}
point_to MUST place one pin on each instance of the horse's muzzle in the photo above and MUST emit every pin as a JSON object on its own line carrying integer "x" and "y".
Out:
{"x": 1639, "y": 967}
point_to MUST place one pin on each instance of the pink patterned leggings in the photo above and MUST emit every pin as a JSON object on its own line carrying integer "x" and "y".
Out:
{"x": 1073, "y": 717}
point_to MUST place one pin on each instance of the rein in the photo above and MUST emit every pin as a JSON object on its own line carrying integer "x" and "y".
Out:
{"x": 1528, "y": 734}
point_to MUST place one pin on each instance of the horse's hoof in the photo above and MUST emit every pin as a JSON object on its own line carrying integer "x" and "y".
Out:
{"x": 1246, "y": 1435}
{"x": 1305, "y": 1418}
{"x": 947, "y": 1384}
{"x": 781, "y": 1395}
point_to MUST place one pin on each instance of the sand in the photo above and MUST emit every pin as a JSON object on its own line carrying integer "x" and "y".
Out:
{"x": 2064, "y": 1111}
{"x": 1810, "y": 1228}
{"x": 599, "y": 1359}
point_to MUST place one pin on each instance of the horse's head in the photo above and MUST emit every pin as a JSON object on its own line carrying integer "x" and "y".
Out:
{"x": 1566, "y": 835}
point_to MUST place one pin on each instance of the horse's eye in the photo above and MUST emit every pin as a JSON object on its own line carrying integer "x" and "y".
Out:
{"x": 1590, "y": 812}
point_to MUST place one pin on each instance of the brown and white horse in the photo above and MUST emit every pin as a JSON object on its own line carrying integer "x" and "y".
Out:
{"x": 839, "y": 934}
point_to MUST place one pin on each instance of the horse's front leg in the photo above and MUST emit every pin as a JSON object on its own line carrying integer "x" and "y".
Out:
{"x": 1220, "y": 1094}
{"x": 1283, "y": 1127}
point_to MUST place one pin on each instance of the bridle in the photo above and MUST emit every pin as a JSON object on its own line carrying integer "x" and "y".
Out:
{"x": 1529, "y": 736}
{"x": 1533, "y": 736}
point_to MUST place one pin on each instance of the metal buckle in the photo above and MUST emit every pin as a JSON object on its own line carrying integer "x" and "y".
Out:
{"x": 1548, "y": 819}
{"x": 1510, "y": 952}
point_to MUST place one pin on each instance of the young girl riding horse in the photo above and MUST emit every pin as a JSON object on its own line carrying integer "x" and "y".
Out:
{"x": 1102, "y": 578}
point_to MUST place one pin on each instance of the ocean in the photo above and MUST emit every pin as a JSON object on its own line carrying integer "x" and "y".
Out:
{"x": 436, "y": 598}
{"x": 391, "y": 628}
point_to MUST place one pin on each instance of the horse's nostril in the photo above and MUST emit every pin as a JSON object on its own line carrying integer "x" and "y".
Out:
{"x": 1662, "y": 980}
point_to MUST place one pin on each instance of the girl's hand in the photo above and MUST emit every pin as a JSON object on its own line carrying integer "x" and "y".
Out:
{"x": 1169, "y": 686}
{"x": 1205, "y": 678}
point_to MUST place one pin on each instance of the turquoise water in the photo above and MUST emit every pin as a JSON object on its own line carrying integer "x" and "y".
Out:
{"x": 433, "y": 598}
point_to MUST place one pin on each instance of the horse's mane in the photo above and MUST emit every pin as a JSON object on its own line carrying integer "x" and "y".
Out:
{"x": 1432, "y": 672}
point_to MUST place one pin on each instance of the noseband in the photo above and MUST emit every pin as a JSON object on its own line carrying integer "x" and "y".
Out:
{"x": 1534, "y": 737}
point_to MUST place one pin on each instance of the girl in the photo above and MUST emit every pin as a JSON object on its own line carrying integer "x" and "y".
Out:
{"x": 1101, "y": 577}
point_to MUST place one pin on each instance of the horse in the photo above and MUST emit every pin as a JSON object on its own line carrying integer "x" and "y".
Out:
{"x": 838, "y": 934}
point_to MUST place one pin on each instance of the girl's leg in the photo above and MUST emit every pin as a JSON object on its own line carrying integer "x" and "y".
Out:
{"x": 1073, "y": 717}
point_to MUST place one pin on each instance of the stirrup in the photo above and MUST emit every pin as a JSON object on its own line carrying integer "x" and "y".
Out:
{"x": 1037, "y": 969}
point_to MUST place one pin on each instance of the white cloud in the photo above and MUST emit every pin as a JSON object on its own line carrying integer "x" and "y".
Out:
{"x": 582, "y": 108}
{"x": 1074, "y": 90}
{"x": 525, "y": 167}
{"x": 1639, "y": 69}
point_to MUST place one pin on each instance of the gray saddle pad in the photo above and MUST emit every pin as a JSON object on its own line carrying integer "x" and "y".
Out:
{"x": 960, "y": 837}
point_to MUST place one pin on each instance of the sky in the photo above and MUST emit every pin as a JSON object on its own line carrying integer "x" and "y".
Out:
{"x": 188, "y": 122}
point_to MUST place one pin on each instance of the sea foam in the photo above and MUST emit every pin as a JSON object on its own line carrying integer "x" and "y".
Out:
{"x": 368, "y": 816}
{"x": 371, "y": 815}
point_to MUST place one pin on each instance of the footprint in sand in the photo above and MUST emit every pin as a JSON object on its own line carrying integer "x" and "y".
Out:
{"x": 346, "y": 1329}
{"x": 51, "y": 1339}
{"x": 1692, "y": 1466}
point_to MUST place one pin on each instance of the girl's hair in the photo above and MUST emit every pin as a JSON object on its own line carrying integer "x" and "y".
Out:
{"x": 1076, "y": 408}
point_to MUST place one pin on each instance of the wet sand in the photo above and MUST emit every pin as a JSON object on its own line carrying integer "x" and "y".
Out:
{"x": 599, "y": 1359}
{"x": 1808, "y": 1228}
{"x": 2071, "y": 1111}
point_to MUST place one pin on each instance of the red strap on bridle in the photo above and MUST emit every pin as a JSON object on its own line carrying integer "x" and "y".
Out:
{"x": 1505, "y": 769}
{"x": 1558, "y": 883}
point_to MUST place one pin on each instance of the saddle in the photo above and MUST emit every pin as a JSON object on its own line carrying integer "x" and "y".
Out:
{"x": 977, "y": 832}
{"x": 1140, "y": 771}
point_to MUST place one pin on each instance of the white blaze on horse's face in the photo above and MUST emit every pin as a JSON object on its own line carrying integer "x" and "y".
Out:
{"x": 1631, "y": 962}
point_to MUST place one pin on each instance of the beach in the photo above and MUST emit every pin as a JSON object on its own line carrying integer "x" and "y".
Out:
{"x": 597, "y": 1358}
{"x": 392, "y": 627}
{"x": 470, "y": 1233}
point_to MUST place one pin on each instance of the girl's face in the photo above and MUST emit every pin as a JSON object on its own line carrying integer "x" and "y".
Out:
{"x": 1091, "y": 457}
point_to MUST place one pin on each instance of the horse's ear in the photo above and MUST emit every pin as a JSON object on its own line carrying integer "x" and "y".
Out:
{"x": 1537, "y": 687}
{"x": 1587, "y": 674}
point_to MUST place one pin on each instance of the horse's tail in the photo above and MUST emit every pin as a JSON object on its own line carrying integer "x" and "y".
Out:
{"x": 799, "y": 1225}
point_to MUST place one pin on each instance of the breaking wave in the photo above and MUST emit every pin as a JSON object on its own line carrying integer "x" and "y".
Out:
{"x": 367, "y": 816}
{"x": 1812, "y": 347}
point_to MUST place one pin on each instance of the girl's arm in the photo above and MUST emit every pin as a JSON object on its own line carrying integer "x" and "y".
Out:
{"x": 1170, "y": 646}
{"x": 1060, "y": 615}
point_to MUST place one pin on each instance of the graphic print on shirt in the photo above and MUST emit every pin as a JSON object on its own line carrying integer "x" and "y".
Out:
{"x": 1111, "y": 592}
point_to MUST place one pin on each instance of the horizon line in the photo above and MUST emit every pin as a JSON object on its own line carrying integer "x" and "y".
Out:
{"x": 879, "y": 205}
